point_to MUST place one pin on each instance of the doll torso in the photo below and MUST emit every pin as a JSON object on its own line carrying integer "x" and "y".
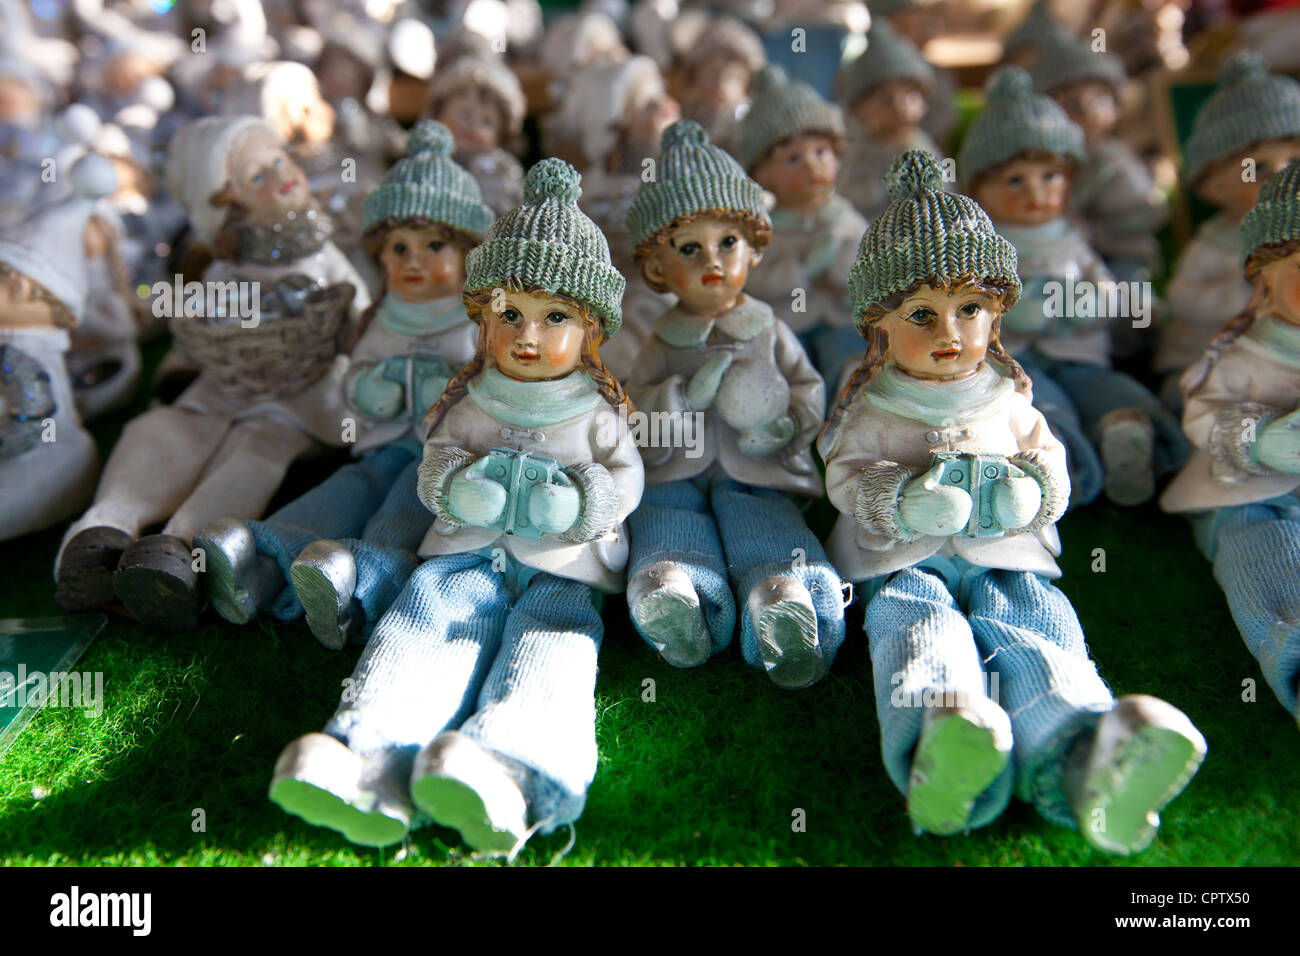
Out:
{"x": 499, "y": 175}
{"x": 897, "y": 420}
{"x": 1206, "y": 290}
{"x": 865, "y": 163}
{"x": 1120, "y": 202}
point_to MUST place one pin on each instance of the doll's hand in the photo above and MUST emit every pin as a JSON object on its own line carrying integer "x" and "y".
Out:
{"x": 475, "y": 498}
{"x": 927, "y": 507}
{"x": 427, "y": 391}
{"x": 377, "y": 397}
{"x": 1278, "y": 444}
{"x": 553, "y": 509}
{"x": 703, "y": 386}
{"x": 768, "y": 438}
{"x": 1016, "y": 501}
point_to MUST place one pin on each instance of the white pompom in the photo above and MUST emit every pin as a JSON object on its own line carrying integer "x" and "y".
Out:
{"x": 77, "y": 124}
{"x": 157, "y": 93}
{"x": 411, "y": 48}
{"x": 94, "y": 177}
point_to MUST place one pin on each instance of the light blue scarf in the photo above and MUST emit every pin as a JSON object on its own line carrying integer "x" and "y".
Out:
{"x": 939, "y": 403}
{"x": 1274, "y": 339}
{"x": 530, "y": 404}
{"x": 416, "y": 320}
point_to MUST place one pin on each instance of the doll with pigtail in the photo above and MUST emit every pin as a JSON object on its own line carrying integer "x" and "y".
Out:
{"x": 950, "y": 484}
{"x": 474, "y": 699}
{"x": 340, "y": 553}
{"x": 1240, "y": 411}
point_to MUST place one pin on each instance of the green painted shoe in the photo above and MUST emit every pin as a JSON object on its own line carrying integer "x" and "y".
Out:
{"x": 464, "y": 787}
{"x": 962, "y": 751}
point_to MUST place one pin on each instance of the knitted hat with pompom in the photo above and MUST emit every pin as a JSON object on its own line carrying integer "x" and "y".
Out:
{"x": 1250, "y": 105}
{"x": 1016, "y": 120}
{"x": 427, "y": 184}
{"x": 1275, "y": 217}
{"x": 783, "y": 108}
{"x": 888, "y": 56}
{"x": 548, "y": 242}
{"x": 694, "y": 176}
{"x": 926, "y": 235}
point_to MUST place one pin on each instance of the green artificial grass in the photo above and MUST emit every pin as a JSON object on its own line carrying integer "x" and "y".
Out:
{"x": 712, "y": 771}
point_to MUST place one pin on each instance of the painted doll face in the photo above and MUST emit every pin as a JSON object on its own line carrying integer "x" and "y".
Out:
{"x": 20, "y": 303}
{"x": 420, "y": 265}
{"x": 535, "y": 337}
{"x": 891, "y": 110}
{"x": 720, "y": 82}
{"x": 800, "y": 172}
{"x": 264, "y": 179}
{"x": 941, "y": 334}
{"x": 474, "y": 118}
{"x": 1025, "y": 192}
{"x": 705, "y": 264}
{"x": 18, "y": 102}
{"x": 305, "y": 119}
{"x": 1282, "y": 278}
{"x": 1233, "y": 186}
{"x": 650, "y": 111}
{"x": 1092, "y": 105}
{"x": 126, "y": 71}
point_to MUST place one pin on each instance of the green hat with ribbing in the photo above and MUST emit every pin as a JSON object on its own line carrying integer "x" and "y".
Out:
{"x": 1275, "y": 217}
{"x": 1037, "y": 26}
{"x": 428, "y": 184}
{"x": 887, "y": 57}
{"x": 1016, "y": 120}
{"x": 782, "y": 108}
{"x": 1250, "y": 105}
{"x": 926, "y": 234}
{"x": 548, "y": 242}
{"x": 1065, "y": 59}
{"x": 694, "y": 176}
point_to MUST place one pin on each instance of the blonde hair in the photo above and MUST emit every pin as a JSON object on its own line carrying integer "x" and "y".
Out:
{"x": 758, "y": 233}
{"x": 60, "y": 315}
{"x": 478, "y": 304}
{"x": 877, "y": 354}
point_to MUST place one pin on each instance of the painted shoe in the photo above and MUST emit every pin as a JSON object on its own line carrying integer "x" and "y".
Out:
{"x": 961, "y": 752}
{"x": 239, "y": 581}
{"x": 1142, "y": 754}
{"x": 324, "y": 577}
{"x": 467, "y": 788}
{"x": 320, "y": 780}
{"x": 157, "y": 582}
{"x": 1127, "y": 448}
{"x": 786, "y": 624}
{"x": 666, "y": 610}
{"x": 84, "y": 581}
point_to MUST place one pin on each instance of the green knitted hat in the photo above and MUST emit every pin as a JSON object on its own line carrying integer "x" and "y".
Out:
{"x": 888, "y": 56}
{"x": 783, "y": 108}
{"x": 1064, "y": 59}
{"x": 1275, "y": 217}
{"x": 427, "y": 184}
{"x": 694, "y": 176}
{"x": 548, "y": 242}
{"x": 1016, "y": 120}
{"x": 926, "y": 234}
{"x": 1250, "y": 105}
{"x": 1037, "y": 26}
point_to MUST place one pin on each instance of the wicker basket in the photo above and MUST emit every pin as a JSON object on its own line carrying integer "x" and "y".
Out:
{"x": 277, "y": 358}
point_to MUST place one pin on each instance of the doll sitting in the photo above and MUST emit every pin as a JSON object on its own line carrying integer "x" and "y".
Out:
{"x": 950, "y": 484}
{"x": 473, "y": 700}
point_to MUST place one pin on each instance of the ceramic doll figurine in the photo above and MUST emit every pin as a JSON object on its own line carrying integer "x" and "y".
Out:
{"x": 342, "y": 551}
{"x": 26, "y": 136}
{"x": 950, "y": 484}
{"x": 1020, "y": 47}
{"x": 791, "y": 143}
{"x": 621, "y": 111}
{"x": 1112, "y": 191}
{"x": 1017, "y": 160}
{"x": 885, "y": 91}
{"x": 478, "y": 98}
{"x": 920, "y": 21}
{"x": 473, "y": 701}
{"x": 223, "y": 447}
{"x": 48, "y": 462}
{"x": 1247, "y": 130}
{"x": 1239, "y": 488}
{"x": 716, "y": 73}
{"x": 716, "y": 528}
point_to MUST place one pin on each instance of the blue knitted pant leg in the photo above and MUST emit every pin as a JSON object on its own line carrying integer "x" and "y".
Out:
{"x": 1030, "y": 637}
{"x": 920, "y": 640}
{"x": 764, "y": 534}
{"x": 673, "y": 523}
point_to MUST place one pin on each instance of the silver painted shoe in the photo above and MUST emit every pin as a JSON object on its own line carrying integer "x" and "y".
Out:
{"x": 665, "y": 608}
{"x": 961, "y": 752}
{"x": 1142, "y": 754}
{"x": 320, "y": 780}
{"x": 324, "y": 577}
{"x": 467, "y": 788}
{"x": 239, "y": 581}
{"x": 786, "y": 624}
